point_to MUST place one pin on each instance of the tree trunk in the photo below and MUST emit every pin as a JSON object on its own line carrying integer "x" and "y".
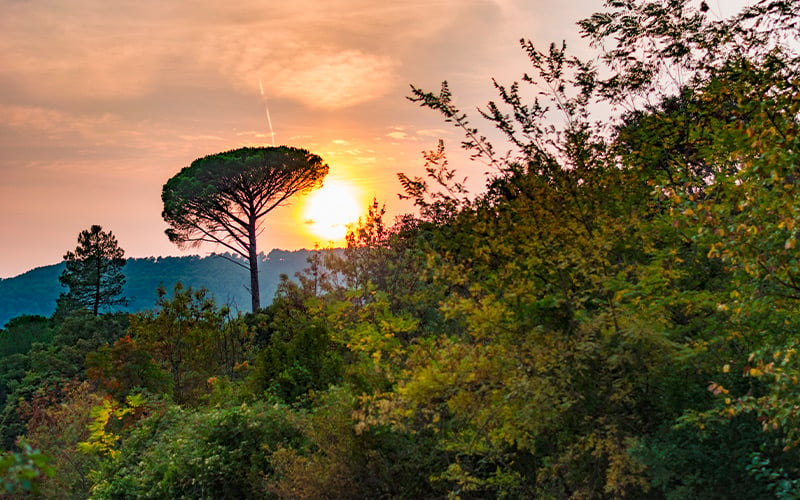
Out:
{"x": 97, "y": 288}
{"x": 253, "y": 254}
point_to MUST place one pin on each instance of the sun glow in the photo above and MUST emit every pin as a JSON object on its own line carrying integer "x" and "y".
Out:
{"x": 329, "y": 210}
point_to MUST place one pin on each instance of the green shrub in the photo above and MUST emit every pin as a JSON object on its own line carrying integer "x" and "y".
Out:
{"x": 207, "y": 453}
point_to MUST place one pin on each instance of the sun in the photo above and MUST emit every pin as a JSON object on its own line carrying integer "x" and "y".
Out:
{"x": 329, "y": 210}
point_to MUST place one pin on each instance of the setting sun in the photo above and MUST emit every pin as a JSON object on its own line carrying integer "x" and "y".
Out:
{"x": 329, "y": 210}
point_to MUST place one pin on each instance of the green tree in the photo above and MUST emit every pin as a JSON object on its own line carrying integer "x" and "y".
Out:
{"x": 93, "y": 271}
{"x": 59, "y": 421}
{"x": 721, "y": 150}
{"x": 187, "y": 336}
{"x": 299, "y": 354}
{"x": 223, "y": 198}
{"x": 125, "y": 366}
{"x": 215, "y": 452}
{"x": 22, "y": 331}
{"x": 16, "y": 340}
{"x": 610, "y": 271}
{"x": 54, "y": 363}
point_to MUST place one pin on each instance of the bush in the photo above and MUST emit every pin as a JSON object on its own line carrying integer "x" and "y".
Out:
{"x": 207, "y": 453}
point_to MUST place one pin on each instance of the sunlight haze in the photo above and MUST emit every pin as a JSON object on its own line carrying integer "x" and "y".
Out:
{"x": 103, "y": 102}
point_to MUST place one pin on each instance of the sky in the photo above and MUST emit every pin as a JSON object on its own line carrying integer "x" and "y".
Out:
{"x": 101, "y": 102}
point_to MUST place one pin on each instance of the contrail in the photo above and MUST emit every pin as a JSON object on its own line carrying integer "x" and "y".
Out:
{"x": 266, "y": 105}
{"x": 269, "y": 121}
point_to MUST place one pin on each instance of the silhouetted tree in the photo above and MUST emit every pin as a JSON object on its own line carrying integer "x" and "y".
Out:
{"x": 94, "y": 271}
{"x": 222, "y": 198}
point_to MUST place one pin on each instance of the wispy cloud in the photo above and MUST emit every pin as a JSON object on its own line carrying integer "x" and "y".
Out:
{"x": 54, "y": 122}
{"x": 323, "y": 55}
{"x": 103, "y": 101}
{"x": 434, "y": 132}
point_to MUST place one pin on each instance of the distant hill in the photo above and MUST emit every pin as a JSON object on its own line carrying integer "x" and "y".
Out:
{"x": 36, "y": 291}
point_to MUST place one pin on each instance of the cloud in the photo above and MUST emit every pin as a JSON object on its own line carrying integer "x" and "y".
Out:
{"x": 86, "y": 132}
{"x": 208, "y": 137}
{"x": 324, "y": 55}
{"x": 54, "y": 123}
{"x": 66, "y": 50}
{"x": 397, "y": 135}
{"x": 40, "y": 135}
{"x": 434, "y": 132}
{"x": 334, "y": 80}
{"x": 316, "y": 74}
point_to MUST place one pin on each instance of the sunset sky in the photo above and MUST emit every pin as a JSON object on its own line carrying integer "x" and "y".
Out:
{"x": 101, "y": 101}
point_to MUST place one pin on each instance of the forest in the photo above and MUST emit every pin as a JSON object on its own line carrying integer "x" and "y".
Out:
{"x": 614, "y": 315}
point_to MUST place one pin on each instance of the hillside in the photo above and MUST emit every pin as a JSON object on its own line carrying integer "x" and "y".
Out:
{"x": 35, "y": 292}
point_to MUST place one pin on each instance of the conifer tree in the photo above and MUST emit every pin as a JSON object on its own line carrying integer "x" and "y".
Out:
{"x": 94, "y": 272}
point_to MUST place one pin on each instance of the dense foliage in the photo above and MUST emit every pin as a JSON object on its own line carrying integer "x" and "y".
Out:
{"x": 613, "y": 316}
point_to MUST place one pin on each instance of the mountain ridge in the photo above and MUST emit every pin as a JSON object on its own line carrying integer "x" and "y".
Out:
{"x": 34, "y": 292}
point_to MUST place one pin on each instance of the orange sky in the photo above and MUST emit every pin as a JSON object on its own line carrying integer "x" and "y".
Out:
{"x": 102, "y": 102}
